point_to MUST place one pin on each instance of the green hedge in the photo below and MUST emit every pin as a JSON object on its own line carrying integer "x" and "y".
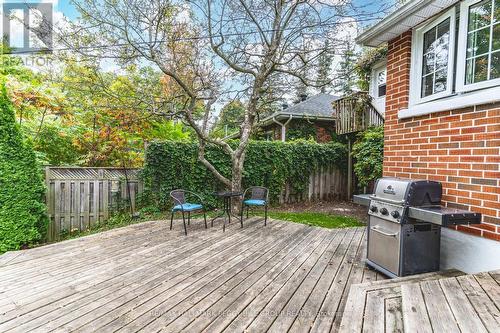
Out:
{"x": 170, "y": 165}
{"x": 368, "y": 152}
{"x": 22, "y": 209}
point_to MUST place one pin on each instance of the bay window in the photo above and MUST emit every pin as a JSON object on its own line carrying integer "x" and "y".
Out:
{"x": 456, "y": 67}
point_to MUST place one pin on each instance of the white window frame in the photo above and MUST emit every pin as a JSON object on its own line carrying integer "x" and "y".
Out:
{"x": 416, "y": 55}
{"x": 462, "y": 52}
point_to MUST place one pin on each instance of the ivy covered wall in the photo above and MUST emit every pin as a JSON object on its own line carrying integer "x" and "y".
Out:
{"x": 302, "y": 129}
{"x": 171, "y": 165}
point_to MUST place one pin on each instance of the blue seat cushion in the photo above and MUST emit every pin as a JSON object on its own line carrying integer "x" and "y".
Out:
{"x": 254, "y": 202}
{"x": 187, "y": 207}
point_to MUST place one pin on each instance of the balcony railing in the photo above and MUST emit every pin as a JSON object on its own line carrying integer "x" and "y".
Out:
{"x": 356, "y": 113}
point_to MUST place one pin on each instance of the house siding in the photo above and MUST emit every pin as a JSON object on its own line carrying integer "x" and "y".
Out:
{"x": 459, "y": 148}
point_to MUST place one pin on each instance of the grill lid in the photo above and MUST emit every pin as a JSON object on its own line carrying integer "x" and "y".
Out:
{"x": 392, "y": 189}
{"x": 408, "y": 191}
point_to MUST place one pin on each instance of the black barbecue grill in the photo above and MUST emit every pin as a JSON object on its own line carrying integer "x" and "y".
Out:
{"x": 404, "y": 225}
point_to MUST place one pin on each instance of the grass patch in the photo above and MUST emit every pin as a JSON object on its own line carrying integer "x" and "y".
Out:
{"x": 317, "y": 219}
{"x": 117, "y": 220}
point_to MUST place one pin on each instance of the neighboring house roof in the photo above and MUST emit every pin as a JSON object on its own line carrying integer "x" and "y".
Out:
{"x": 317, "y": 107}
{"x": 401, "y": 20}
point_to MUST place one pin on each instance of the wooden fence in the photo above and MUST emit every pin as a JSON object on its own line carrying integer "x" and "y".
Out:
{"x": 326, "y": 184}
{"x": 78, "y": 197}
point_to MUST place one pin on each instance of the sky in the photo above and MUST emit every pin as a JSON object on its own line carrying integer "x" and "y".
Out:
{"x": 65, "y": 7}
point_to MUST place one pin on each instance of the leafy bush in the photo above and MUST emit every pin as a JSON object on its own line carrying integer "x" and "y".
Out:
{"x": 368, "y": 152}
{"x": 22, "y": 210}
{"x": 170, "y": 165}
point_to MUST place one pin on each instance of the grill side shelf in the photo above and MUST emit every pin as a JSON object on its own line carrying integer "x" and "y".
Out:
{"x": 444, "y": 216}
{"x": 362, "y": 199}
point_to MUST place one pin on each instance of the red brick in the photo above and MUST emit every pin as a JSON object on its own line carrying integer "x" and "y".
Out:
{"x": 487, "y": 226}
{"x": 469, "y": 230}
{"x": 491, "y": 235}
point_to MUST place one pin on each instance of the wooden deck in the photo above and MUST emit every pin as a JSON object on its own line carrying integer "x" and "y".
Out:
{"x": 283, "y": 277}
{"x": 437, "y": 302}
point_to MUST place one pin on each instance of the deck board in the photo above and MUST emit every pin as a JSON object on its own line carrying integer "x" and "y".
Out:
{"x": 449, "y": 301}
{"x": 146, "y": 277}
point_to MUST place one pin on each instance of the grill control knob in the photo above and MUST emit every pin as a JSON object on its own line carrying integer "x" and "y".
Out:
{"x": 374, "y": 209}
{"x": 395, "y": 214}
{"x": 384, "y": 211}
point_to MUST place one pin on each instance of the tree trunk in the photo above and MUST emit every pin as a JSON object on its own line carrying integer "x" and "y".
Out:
{"x": 236, "y": 179}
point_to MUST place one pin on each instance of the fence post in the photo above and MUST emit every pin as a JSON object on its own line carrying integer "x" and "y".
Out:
{"x": 349, "y": 169}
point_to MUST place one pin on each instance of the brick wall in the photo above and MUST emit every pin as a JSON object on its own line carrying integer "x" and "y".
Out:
{"x": 323, "y": 132}
{"x": 459, "y": 148}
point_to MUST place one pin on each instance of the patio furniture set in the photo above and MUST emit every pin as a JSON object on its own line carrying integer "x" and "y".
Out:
{"x": 187, "y": 202}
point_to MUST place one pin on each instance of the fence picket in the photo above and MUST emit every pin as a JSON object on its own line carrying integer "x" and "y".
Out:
{"x": 95, "y": 202}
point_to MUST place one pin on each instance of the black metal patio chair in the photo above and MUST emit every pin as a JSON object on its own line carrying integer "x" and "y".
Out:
{"x": 258, "y": 197}
{"x": 181, "y": 204}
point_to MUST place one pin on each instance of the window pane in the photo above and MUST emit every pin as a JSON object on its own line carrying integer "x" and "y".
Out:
{"x": 429, "y": 38}
{"x": 381, "y": 77}
{"x": 443, "y": 31}
{"x": 496, "y": 12}
{"x": 476, "y": 69}
{"x": 496, "y": 36}
{"x": 442, "y": 57}
{"x": 382, "y": 90}
{"x": 478, "y": 42}
{"x": 480, "y": 15}
{"x": 435, "y": 59}
{"x": 495, "y": 66}
{"x": 440, "y": 84}
{"x": 428, "y": 64}
{"x": 427, "y": 82}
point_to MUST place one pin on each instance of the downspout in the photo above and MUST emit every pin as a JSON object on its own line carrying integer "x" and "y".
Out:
{"x": 283, "y": 127}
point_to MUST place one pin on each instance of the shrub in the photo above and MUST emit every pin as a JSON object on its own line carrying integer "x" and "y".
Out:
{"x": 170, "y": 165}
{"x": 368, "y": 152}
{"x": 22, "y": 209}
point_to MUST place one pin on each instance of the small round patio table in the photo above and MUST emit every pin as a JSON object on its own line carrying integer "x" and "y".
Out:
{"x": 226, "y": 196}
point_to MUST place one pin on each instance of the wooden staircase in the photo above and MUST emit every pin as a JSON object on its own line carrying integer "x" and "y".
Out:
{"x": 449, "y": 301}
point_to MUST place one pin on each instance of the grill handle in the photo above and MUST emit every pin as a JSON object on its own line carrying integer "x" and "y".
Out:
{"x": 376, "y": 229}
{"x": 394, "y": 202}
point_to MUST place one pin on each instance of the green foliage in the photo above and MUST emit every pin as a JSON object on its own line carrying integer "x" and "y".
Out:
{"x": 22, "y": 210}
{"x": 368, "y": 152}
{"x": 365, "y": 63}
{"x": 230, "y": 119}
{"x": 166, "y": 130}
{"x": 82, "y": 115}
{"x": 170, "y": 165}
{"x": 324, "y": 66}
{"x": 346, "y": 76}
{"x": 54, "y": 146}
{"x": 301, "y": 129}
{"x": 316, "y": 219}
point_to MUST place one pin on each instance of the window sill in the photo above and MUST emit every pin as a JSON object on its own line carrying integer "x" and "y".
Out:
{"x": 454, "y": 102}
